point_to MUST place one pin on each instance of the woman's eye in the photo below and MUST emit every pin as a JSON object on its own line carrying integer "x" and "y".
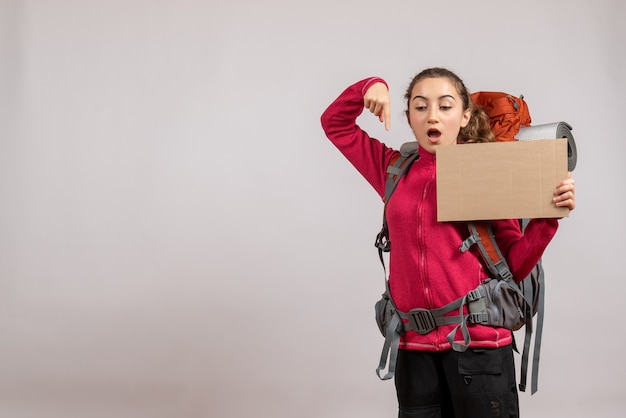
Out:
{"x": 420, "y": 108}
{"x": 445, "y": 107}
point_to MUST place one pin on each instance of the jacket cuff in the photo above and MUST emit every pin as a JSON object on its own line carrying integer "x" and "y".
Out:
{"x": 370, "y": 81}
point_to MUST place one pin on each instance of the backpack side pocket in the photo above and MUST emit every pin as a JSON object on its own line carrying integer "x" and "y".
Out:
{"x": 383, "y": 311}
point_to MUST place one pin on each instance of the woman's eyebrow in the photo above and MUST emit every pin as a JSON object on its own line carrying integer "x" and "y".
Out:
{"x": 445, "y": 96}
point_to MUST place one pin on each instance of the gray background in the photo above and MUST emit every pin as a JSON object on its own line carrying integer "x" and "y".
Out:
{"x": 179, "y": 239}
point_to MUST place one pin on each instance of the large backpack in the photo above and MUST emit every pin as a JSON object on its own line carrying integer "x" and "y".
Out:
{"x": 499, "y": 301}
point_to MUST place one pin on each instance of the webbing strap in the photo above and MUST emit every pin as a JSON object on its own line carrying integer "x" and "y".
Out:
{"x": 436, "y": 317}
{"x": 538, "y": 332}
{"x": 390, "y": 349}
{"x": 462, "y": 322}
{"x": 528, "y": 294}
{"x": 538, "y": 329}
{"x": 464, "y": 331}
{"x": 392, "y": 341}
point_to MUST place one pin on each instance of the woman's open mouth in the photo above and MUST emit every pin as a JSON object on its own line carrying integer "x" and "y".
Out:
{"x": 433, "y": 134}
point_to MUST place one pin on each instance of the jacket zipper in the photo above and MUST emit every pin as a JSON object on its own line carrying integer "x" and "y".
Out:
{"x": 420, "y": 241}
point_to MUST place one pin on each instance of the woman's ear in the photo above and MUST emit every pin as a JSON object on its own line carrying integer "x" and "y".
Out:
{"x": 406, "y": 112}
{"x": 467, "y": 115}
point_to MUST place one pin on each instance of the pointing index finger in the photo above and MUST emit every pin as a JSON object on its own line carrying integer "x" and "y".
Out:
{"x": 386, "y": 116}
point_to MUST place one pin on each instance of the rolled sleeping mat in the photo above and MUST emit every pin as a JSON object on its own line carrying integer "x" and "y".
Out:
{"x": 551, "y": 131}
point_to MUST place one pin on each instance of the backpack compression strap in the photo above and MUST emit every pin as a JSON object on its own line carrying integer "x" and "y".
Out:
{"x": 529, "y": 295}
{"x": 538, "y": 330}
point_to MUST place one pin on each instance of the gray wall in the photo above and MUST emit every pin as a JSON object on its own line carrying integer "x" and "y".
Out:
{"x": 179, "y": 239}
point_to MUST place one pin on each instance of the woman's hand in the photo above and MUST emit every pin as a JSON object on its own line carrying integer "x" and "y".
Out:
{"x": 376, "y": 99}
{"x": 564, "y": 195}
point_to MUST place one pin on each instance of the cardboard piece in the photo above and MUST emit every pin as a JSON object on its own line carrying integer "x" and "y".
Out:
{"x": 500, "y": 180}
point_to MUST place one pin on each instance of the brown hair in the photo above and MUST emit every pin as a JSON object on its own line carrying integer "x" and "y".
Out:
{"x": 477, "y": 129}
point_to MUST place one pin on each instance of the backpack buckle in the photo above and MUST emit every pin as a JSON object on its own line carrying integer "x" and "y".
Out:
{"x": 503, "y": 271}
{"x": 473, "y": 295}
{"x": 421, "y": 320}
{"x": 478, "y": 318}
{"x": 382, "y": 242}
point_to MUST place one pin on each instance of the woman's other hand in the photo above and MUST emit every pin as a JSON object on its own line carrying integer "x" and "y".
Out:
{"x": 564, "y": 195}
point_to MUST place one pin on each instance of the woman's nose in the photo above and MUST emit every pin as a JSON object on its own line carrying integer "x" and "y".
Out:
{"x": 432, "y": 115}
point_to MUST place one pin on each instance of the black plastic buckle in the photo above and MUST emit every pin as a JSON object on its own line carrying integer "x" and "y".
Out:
{"x": 473, "y": 295}
{"x": 478, "y": 318}
{"x": 421, "y": 321}
{"x": 382, "y": 242}
{"x": 503, "y": 271}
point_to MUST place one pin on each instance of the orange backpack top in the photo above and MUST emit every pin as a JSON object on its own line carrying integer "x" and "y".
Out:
{"x": 506, "y": 113}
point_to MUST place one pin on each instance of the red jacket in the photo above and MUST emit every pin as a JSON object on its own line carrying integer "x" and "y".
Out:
{"x": 426, "y": 268}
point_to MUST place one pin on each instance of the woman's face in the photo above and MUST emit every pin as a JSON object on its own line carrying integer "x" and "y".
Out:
{"x": 436, "y": 113}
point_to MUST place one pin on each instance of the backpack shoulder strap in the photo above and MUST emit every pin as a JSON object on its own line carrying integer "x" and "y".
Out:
{"x": 481, "y": 234}
{"x": 398, "y": 166}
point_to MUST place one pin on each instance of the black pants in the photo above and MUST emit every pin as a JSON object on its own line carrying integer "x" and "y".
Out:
{"x": 479, "y": 383}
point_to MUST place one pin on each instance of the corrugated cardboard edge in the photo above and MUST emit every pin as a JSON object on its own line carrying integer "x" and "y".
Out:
{"x": 500, "y": 180}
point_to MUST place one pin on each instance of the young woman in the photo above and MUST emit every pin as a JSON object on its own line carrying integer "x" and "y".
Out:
{"x": 426, "y": 268}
